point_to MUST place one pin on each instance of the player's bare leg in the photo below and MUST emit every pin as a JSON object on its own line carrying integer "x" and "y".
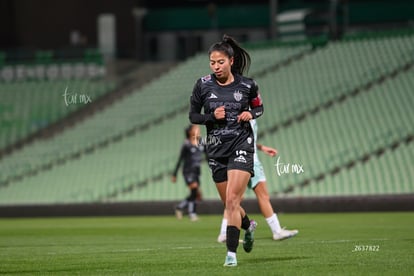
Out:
{"x": 272, "y": 220}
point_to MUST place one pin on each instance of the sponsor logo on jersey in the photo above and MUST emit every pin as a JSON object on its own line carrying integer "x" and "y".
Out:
{"x": 212, "y": 96}
{"x": 206, "y": 78}
{"x": 227, "y": 105}
{"x": 237, "y": 95}
{"x": 224, "y": 132}
{"x": 240, "y": 159}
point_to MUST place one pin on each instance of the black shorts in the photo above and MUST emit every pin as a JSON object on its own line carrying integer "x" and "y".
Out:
{"x": 239, "y": 160}
{"x": 191, "y": 177}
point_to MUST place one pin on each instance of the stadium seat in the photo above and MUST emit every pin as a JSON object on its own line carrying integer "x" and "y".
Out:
{"x": 127, "y": 151}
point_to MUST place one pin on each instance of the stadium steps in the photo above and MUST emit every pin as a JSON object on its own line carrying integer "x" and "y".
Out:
{"x": 128, "y": 176}
{"x": 388, "y": 170}
{"x": 330, "y": 103}
{"x": 161, "y": 188}
{"x": 139, "y": 190}
{"x": 116, "y": 88}
{"x": 95, "y": 134}
{"x": 329, "y": 76}
{"x": 352, "y": 132}
{"x": 375, "y": 77}
{"x": 27, "y": 107}
{"x": 94, "y": 176}
{"x": 388, "y": 74}
{"x": 341, "y": 154}
{"x": 56, "y": 149}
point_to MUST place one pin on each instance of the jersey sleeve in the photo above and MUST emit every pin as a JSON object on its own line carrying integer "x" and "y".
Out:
{"x": 196, "y": 104}
{"x": 255, "y": 101}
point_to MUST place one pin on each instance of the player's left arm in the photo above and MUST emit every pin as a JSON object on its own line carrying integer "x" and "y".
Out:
{"x": 256, "y": 105}
{"x": 178, "y": 164}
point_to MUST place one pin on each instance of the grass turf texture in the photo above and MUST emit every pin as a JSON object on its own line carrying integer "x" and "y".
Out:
{"x": 327, "y": 244}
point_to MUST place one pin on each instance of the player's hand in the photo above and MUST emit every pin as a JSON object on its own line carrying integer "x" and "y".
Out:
{"x": 220, "y": 113}
{"x": 269, "y": 151}
{"x": 173, "y": 179}
{"x": 245, "y": 116}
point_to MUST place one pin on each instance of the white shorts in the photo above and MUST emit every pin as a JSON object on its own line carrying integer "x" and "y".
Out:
{"x": 259, "y": 175}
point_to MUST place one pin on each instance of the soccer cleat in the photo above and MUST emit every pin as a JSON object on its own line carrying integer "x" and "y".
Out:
{"x": 221, "y": 238}
{"x": 230, "y": 261}
{"x": 284, "y": 234}
{"x": 252, "y": 227}
{"x": 178, "y": 213}
{"x": 249, "y": 237}
{"x": 193, "y": 217}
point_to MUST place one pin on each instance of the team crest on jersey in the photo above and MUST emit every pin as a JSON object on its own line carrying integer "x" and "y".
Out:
{"x": 237, "y": 95}
{"x": 206, "y": 78}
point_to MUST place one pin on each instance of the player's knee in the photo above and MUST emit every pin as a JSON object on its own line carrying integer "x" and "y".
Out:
{"x": 232, "y": 202}
{"x": 261, "y": 194}
{"x": 263, "y": 197}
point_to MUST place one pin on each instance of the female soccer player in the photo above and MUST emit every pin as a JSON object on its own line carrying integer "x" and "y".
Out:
{"x": 258, "y": 185}
{"x": 191, "y": 154}
{"x": 230, "y": 101}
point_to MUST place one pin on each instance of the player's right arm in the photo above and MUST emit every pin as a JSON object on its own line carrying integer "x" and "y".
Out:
{"x": 196, "y": 104}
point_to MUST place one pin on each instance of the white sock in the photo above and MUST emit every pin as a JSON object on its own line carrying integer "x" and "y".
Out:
{"x": 274, "y": 224}
{"x": 191, "y": 207}
{"x": 223, "y": 228}
{"x": 231, "y": 254}
{"x": 183, "y": 204}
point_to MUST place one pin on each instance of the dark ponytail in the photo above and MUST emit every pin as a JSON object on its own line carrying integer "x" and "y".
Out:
{"x": 231, "y": 48}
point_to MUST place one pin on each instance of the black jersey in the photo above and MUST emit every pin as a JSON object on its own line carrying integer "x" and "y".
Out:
{"x": 241, "y": 95}
{"x": 192, "y": 156}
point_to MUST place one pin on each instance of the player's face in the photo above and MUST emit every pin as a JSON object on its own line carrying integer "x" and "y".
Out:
{"x": 195, "y": 133}
{"x": 220, "y": 64}
{"x": 196, "y": 130}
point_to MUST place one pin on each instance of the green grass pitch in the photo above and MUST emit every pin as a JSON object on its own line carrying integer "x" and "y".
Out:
{"x": 327, "y": 244}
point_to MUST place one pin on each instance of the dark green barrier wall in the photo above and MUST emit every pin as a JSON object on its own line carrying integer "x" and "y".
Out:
{"x": 199, "y": 18}
{"x": 232, "y": 16}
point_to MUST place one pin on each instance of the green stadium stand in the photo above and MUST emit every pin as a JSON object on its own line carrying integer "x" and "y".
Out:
{"x": 154, "y": 102}
{"x": 29, "y": 106}
{"x": 390, "y": 173}
{"x": 346, "y": 133}
{"x": 126, "y": 152}
{"x": 97, "y": 175}
{"x": 329, "y": 73}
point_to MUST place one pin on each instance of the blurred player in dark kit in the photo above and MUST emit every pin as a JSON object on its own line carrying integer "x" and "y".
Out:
{"x": 191, "y": 156}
